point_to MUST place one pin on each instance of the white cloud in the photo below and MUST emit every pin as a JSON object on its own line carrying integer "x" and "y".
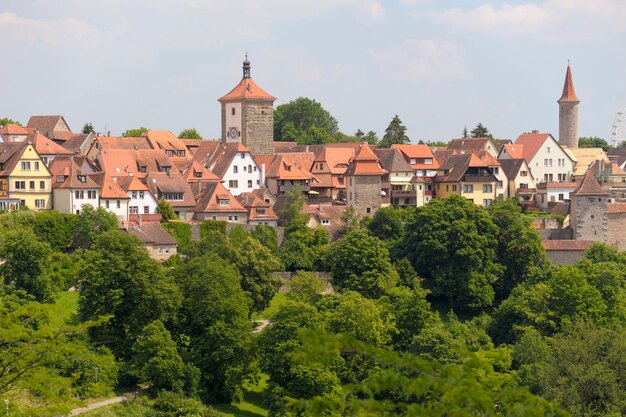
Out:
{"x": 71, "y": 32}
{"x": 554, "y": 19}
{"x": 419, "y": 60}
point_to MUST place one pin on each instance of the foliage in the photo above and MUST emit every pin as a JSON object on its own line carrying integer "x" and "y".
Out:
{"x": 92, "y": 223}
{"x": 267, "y": 236}
{"x": 26, "y": 263}
{"x": 57, "y": 229}
{"x": 118, "y": 278}
{"x": 181, "y": 232}
{"x": 350, "y": 219}
{"x": 189, "y": 134}
{"x": 593, "y": 142}
{"x": 480, "y": 131}
{"x": 302, "y": 115}
{"x": 215, "y": 319}
{"x": 304, "y": 249}
{"x": 155, "y": 358}
{"x": 437, "y": 143}
{"x": 7, "y": 121}
{"x": 166, "y": 210}
{"x": 395, "y": 133}
{"x": 88, "y": 128}
{"x": 291, "y": 216}
{"x": 209, "y": 226}
{"x": 135, "y": 133}
{"x": 451, "y": 243}
{"x": 411, "y": 312}
{"x": 360, "y": 262}
{"x": 171, "y": 404}
{"x": 388, "y": 224}
{"x": 305, "y": 287}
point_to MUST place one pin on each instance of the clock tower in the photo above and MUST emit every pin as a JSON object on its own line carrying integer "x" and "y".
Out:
{"x": 248, "y": 115}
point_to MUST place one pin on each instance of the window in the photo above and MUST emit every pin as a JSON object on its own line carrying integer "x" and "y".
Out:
{"x": 92, "y": 194}
{"x": 487, "y": 201}
{"x": 561, "y": 197}
{"x": 249, "y": 183}
{"x": 31, "y": 185}
{"x": 233, "y": 184}
{"x": 235, "y": 169}
{"x": 77, "y": 194}
{"x": 223, "y": 201}
{"x": 146, "y": 210}
{"x": 487, "y": 188}
{"x": 167, "y": 251}
{"x": 180, "y": 153}
{"x": 496, "y": 170}
{"x": 133, "y": 210}
{"x": 142, "y": 169}
{"x": 169, "y": 152}
{"x": 36, "y": 165}
{"x": 141, "y": 194}
{"x": 548, "y": 149}
{"x": 368, "y": 210}
{"x": 500, "y": 184}
{"x": 325, "y": 222}
{"x": 523, "y": 173}
{"x": 160, "y": 250}
{"x": 106, "y": 203}
{"x": 254, "y": 169}
{"x": 350, "y": 182}
{"x": 562, "y": 177}
{"x": 232, "y": 111}
{"x": 40, "y": 203}
{"x": 118, "y": 203}
{"x": 260, "y": 212}
{"x": 25, "y": 166}
{"x": 214, "y": 217}
{"x": 134, "y": 194}
{"x": 468, "y": 188}
{"x": 42, "y": 185}
{"x": 82, "y": 178}
{"x": 249, "y": 168}
{"x": 447, "y": 188}
{"x": 230, "y": 218}
{"x": 60, "y": 178}
{"x": 173, "y": 196}
{"x": 236, "y": 218}
{"x": 243, "y": 155}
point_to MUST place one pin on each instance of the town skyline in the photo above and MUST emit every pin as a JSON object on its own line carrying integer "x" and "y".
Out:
{"x": 418, "y": 59}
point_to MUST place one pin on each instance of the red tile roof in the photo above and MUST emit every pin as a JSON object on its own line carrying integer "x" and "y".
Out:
{"x": 45, "y": 124}
{"x": 617, "y": 207}
{"x": 208, "y": 200}
{"x": 531, "y": 143}
{"x": 514, "y": 151}
{"x": 561, "y": 185}
{"x": 573, "y": 245}
{"x": 66, "y": 169}
{"x": 44, "y": 145}
{"x": 569, "y": 94}
{"x": 111, "y": 189}
{"x": 247, "y": 89}
{"x": 365, "y": 162}
{"x": 590, "y": 186}
{"x": 12, "y": 129}
{"x": 418, "y": 151}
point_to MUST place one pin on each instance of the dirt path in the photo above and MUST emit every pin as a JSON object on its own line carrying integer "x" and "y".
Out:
{"x": 262, "y": 325}
{"x": 99, "y": 404}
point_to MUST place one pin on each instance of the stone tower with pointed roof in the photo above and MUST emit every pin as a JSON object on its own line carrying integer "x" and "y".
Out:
{"x": 364, "y": 176}
{"x": 568, "y": 113}
{"x": 248, "y": 115}
{"x": 589, "y": 213}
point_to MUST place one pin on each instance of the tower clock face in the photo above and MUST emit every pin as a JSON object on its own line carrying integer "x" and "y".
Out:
{"x": 233, "y": 132}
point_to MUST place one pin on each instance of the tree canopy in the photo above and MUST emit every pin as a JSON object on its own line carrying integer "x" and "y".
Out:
{"x": 480, "y": 131}
{"x": 301, "y": 115}
{"x": 189, "y": 134}
{"x": 593, "y": 142}
{"x": 135, "y": 133}
{"x": 395, "y": 134}
{"x": 88, "y": 128}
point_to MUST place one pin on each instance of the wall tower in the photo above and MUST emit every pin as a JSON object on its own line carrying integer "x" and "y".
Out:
{"x": 568, "y": 113}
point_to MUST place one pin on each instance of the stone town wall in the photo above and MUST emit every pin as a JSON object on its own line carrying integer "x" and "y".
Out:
{"x": 366, "y": 194}
{"x": 591, "y": 220}
{"x": 258, "y": 128}
{"x": 617, "y": 230}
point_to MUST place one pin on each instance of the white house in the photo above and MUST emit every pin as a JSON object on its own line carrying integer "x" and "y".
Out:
{"x": 112, "y": 196}
{"x": 71, "y": 187}
{"x": 141, "y": 199}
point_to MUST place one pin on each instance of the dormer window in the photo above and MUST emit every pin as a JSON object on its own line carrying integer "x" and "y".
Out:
{"x": 143, "y": 169}
{"x": 260, "y": 212}
{"x": 223, "y": 201}
{"x": 60, "y": 178}
{"x": 82, "y": 178}
{"x": 243, "y": 155}
{"x": 198, "y": 174}
{"x": 180, "y": 153}
{"x": 169, "y": 153}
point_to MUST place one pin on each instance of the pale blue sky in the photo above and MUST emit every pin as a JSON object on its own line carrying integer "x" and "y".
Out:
{"x": 439, "y": 65}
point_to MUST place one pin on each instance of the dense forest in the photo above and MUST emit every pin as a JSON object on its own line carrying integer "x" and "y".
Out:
{"x": 447, "y": 309}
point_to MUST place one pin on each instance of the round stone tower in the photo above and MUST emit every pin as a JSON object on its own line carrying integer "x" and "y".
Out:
{"x": 568, "y": 113}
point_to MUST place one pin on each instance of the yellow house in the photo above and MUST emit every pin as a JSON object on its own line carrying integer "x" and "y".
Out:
{"x": 24, "y": 177}
{"x": 468, "y": 176}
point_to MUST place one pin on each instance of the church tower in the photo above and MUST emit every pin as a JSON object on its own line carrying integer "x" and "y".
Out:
{"x": 248, "y": 115}
{"x": 568, "y": 113}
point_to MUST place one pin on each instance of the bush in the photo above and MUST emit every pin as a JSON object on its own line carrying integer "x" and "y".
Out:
{"x": 208, "y": 226}
{"x": 181, "y": 232}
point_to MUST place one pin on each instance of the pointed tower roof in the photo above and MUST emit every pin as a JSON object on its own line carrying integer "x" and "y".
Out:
{"x": 569, "y": 94}
{"x": 247, "y": 88}
{"x": 590, "y": 186}
{"x": 365, "y": 162}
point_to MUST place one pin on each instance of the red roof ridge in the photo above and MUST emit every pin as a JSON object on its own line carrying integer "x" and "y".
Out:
{"x": 590, "y": 186}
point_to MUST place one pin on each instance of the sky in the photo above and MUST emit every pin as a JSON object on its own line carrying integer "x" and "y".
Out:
{"x": 439, "y": 65}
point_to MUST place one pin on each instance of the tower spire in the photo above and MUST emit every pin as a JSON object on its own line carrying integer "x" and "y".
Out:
{"x": 569, "y": 94}
{"x": 246, "y": 67}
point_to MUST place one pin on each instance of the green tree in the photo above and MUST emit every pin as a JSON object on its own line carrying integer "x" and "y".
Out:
{"x": 305, "y": 287}
{"x": 301, "y": 115}
{"x": 350, "y": 219}
{"x": 465, "y": 133}
{"x": 172, "y": 404}
{"x": 181, "y": 232}
{"x": 388, "y": 224}
{"x": 166, "y": 210}
{"x": 216, "y": 321}
{"x": 412, "y": 313}
{"x": 7, "y": 121}
{"x": 519, "y": 247}
{"x": 88, "y": 128}
{"x": 372, "y": 138}
{"x": 267, "y": 236}
{"x": 135, "y": 133}
{"x": 155, "y": 359}
{"x": 394, "y": 134}
{"x": 119, "y": 279}
{"x": 437, "y": 143}
{"x": 451, "y": 243}
{"x": 304, "y": 249}
{"x": 26, "y": 263}
{"x": 480, "y": 131}
{"x": 359, "y": 134}
{"x": 360, "y": 262}
{"x": 593, "y": 142}
{"x": 57, "y": 229}
{"x": 291, "y": 216}
{"x": 90, "y": 224}
{"x": 189, "y": 134}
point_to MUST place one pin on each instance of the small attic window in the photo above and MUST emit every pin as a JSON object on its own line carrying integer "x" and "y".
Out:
{"x": 60, "y": 178}
{"x": 223, "y": 201}
{"x": 198, "y": 174}
{"x": 82, "y": 178}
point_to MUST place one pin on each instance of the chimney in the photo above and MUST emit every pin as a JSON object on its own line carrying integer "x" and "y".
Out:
{"x": 534, "y": 132}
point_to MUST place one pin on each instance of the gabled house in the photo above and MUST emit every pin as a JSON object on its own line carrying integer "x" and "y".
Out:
{"x": 46, "y": 148}
{"x": 468, "y": 176}
{"x": 215, "y": 202}
{"x": 546, "y": 159}
{"x": 53, "y": 127}
{"x": 196, "y": 175}
{"x": 175, "y": 190}
{"x": 364, "y": 177}
{"x": 112, "y": 196}
{"x": 169, "y": 143}
{"x": 584, "y": 158}
{"x": 71, "y": 187}
{"x": 329, "y": 169}
{"x": 612, "y": 178}
{"x": 80, "y": 143}
{"x": 474, "y": 145}
{"x": 141, "y": 200}
{"x": 284, "y": 172}
{"x": 159, "y": 243}
{"x": 12, "y": 133}
{"x": 400, "y": 183}
{"x": 549, "y": 193}
{"x": 521, "y": 183}
{"x": 259, "y": 211}
{"x": 24, "y": 177}
{"x": 421, "y": 159}
{"x": 231, "y": 162}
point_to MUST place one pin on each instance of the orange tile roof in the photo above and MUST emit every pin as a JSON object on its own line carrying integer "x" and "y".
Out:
{"x": 45, "y": 146}
{"x": 13, "y": 129}
{"x": 418, "y": 151}
{"x": 66, "y": 168}
{"x": 111, "y": 189}
{"x": 561, "y": 185}
{"x": 617, "y": 207}
{"x": 166, "y": 140}
{"x": 247, "y": 89}
{"x": 365, "y": 162}
{"x": 128, "y": 143}
{"x": 590, "y": 186}
{"x": 574, "y": 245}
{"x": 208, "y": 200}
{"x": 45, "y": 123}
{"x": 193, "y": 168}
{"x": 616, "y": 170}
{"x": 531, "y": 144}
{"x": 131, "y": 183}
{"x": 569, "y": 94}
{"x": 514, "y": 151}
